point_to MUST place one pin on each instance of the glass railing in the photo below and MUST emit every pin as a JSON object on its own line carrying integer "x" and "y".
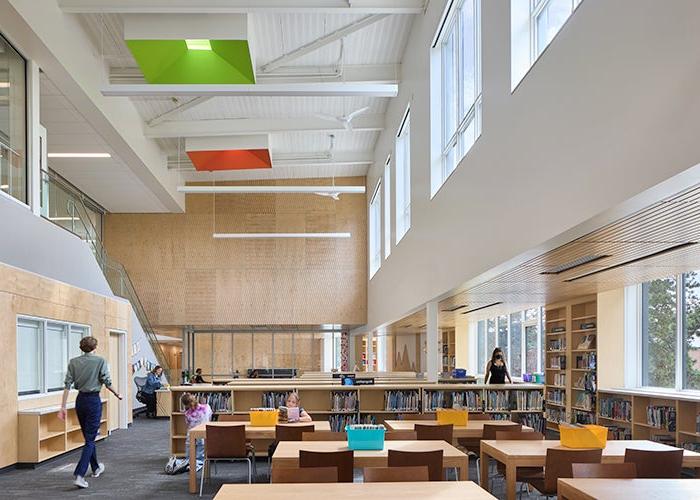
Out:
{"x": 62, "y": 207}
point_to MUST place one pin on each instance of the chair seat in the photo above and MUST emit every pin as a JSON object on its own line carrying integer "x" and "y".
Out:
{"x": 525, "y": 474}
{"x": 538, "y": 484}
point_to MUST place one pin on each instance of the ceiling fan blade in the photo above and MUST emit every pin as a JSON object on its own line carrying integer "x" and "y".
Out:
{"x": 329, "y": 118}
{"x": 357, "y": 112}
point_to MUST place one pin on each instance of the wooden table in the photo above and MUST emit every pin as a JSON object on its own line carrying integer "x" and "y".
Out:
{"x": 604, "y": 489}
{"x": 287, "y": 453}
{"x": 473, "y": 429}
{"x": 251, "y": 432}
{"x": 515, "y": 454}
{"x": 425, "y": 490}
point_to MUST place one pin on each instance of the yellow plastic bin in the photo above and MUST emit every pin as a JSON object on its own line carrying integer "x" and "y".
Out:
{"x": 454, "y": 417}
{"x": 588, "y": 436}
{"x": 264, "y": 418}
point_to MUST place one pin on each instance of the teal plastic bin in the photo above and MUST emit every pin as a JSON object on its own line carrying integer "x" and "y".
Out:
{"x": 365, "y": 439}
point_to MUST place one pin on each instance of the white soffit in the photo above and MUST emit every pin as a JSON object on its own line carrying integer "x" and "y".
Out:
{"x": 190, "y": 26}
{"x": 260, "y": 141}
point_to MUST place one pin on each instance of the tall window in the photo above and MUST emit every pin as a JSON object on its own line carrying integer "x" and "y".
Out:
{"x": 534, "y": 24}
{"x": 515, "y": 332}
{"x": 460, "y": 58}
{"x": 387, "y": 208}
{"x": 503, "y": 335}
{"x": 670, "y": 332}
{"x": 481, "y": 345}
{"x": 43, "y": 350}
{"x": 403, "y": 177}
{"x": 375, "y": 231}
{"x": 13, "y": 122}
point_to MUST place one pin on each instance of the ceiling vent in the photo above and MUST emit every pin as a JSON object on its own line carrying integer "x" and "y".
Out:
{"x": 562, "y": 268}
{"x": 482, "y": 307}
{"x": 455, "y": 308}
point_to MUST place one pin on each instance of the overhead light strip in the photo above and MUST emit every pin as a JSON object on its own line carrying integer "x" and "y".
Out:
{"x": 79, "y": 155}
{"x": 314, "y": 89}
{"x": 482, "y": 307}
{"x": 628, "y": 262}
{"x": 581, "y": 261}
{"x": 455, "y": 308}
{"x": 270, "y": 189}
{"x": 241, "y": 236}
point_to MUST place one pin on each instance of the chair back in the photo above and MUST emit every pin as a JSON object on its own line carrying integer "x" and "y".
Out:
{"x": 304, "y": 475}
{"x": 225, "y": 441}
{"x": 395, "y": 474}
{"x": 343, "y": 460}
{"x": 292, "y": 432}
{"x": 558, "y": 465}
{"x": 490, "y": 430}
{"x": 418, "y": 416}
{"x": 324, "y": 436}
{"x": 479, "y": 416}
{"x": 233, "y": 418}
{"x": 656, "y": 464}
{"x": 519, "y": 436}
{"x": 400, "y": 436}
{"x": 433, "y": 459}
{"x": 605, "y": 471}
{"x": 434, "y": 432}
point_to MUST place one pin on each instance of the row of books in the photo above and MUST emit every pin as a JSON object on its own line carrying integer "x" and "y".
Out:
{"x": 585, "y": 400}
{"x": 470, "y": 400}
{"x": 557, "y": 362}
{"x": 559, "y": 379}
{"x": 527, "y": 400}
{"x": 692, "y": 446}
{"x": 557, "y": 344}
{"x": 338, "y": 422}
{"x": 587, "y": 360}
{"x": 533, "y": 420}
{"x": 218, "y": 401}
{"x": 497, "y": 400}
{"x": 555, "y": 414}
{"x": 587, "y": 382}
{"x": 664, "y": 439}
{"x": 274, "y": 399}
{"x": 500, "y": 416}
{"x": 556, "y": 396}
{"x": 344, "y": 401}
{"x": 620, "y": 433}
{"x": 662, "y": 417}
{"x": 616, "y": 408}
{"x": 583, "y": 417}
{"x": 401, "y": 400}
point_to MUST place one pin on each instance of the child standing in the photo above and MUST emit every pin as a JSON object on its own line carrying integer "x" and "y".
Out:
{"x": 196, "y": 413}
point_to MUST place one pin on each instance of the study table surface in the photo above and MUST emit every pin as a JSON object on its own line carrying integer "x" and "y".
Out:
{"x": 251, "y": 432}
{"x": 473, "y": 429}
{"x": 613, "y": 489}
{"x": 515, "y": 454}
{"x": 425, "y": 490}
{"x": 287, "y": 453}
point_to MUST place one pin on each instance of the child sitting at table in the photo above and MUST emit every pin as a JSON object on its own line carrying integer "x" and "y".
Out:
{"x": 293, "y": 402}
{"x": 196, "y": 413}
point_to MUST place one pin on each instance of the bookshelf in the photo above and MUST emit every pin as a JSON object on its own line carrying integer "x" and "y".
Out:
{"x": 342, "y": 405}
{"x": 448, "y": 350}
{"x": 571, "y": 361}
{"x": 363, "y": 359}
{"x": 42, "y": 435}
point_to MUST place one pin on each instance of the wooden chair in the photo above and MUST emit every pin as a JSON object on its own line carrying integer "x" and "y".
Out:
{"x": 233, "y": 418}
{"x": 656, "y": 464}
{"x": 489, "y": 432}
{"x": 342, "y": 460}
{"x": 519, "y": 436}
{"x": 522, "y": 473}
{"x": 558, "y": 465}
{"x": 324, "y": 436}
{"x": 472, "y": 445}
{"x": 479, "y": 416}
{"x": 431, "y": 459}
{"x": 400, "y": 436}
{"x": 304, "y": 475}
{"x": 418, "y": 416}
{"x": 226, "y": 444}
{"x": 292, "y": 432}
{"x": 395, "y": 474}
{"x": 431, "y": 432}
{"x": 605, "y": 471}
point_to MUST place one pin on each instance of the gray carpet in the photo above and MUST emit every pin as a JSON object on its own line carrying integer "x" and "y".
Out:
{"x": 134, "y": 460}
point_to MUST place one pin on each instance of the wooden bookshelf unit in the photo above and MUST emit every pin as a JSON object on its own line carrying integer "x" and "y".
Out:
{"x": 448, "y": 350}
{"x": 42, "y": 435}
{"x": 571, "y": 361}
{"x": 342, "y": 405}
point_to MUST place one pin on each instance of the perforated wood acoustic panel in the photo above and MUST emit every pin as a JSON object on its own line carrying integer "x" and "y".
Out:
{"x": 185, "y": 277}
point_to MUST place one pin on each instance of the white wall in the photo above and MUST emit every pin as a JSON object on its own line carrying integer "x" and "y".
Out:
{"x": 609, "y": 110}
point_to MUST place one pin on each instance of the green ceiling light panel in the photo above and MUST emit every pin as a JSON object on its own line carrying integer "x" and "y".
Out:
{"x": 191, "y": 49}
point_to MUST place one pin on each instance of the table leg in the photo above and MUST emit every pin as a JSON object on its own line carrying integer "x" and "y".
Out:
{"x": 464, "y": 469}
{"x": 510, "y": 481}
{"x": 193, "y": 465}
{"x": 484, "y": 471}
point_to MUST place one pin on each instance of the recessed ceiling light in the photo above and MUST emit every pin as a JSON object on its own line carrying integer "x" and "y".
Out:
{"x": 198, "y": 44}
{"x": 4, "y": 85}
{"x": 79, "y": 155}
{"x": 5, "y": 186}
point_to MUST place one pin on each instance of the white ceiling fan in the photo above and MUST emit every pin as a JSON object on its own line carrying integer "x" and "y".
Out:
{"x": 345, "y": 120}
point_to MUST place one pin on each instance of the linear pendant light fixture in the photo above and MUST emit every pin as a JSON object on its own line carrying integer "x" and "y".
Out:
{"x": 271, "y": 189}
{"x": 79, "y": 155}
{"x": 219, "y": 236}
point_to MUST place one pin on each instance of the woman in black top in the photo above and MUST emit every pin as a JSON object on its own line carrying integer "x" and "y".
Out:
{"x": 496, "y": 369}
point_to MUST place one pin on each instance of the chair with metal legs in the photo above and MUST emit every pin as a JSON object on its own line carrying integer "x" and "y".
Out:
{"x": 227, "y": 444}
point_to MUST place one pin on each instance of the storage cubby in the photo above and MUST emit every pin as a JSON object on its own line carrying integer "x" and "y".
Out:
{"x": 52, "y": 446}
{"x": 689, "y": 425}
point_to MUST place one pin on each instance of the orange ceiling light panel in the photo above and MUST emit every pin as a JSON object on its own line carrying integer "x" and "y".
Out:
{"x": 233, "y": 159}
{"x": 240, "y": 152}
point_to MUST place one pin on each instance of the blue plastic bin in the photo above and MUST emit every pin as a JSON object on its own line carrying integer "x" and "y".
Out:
{"x": 365, "y": 439}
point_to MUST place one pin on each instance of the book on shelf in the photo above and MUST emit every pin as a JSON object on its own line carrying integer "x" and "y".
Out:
{"x": 470, "y": 400}
{"x": 558, "y": 362}
{"x": 664, "y": 439}
{"x": 586, "y": 361}
{"x": 587, "y": 342}
{"x": 619, "y": 409}
{"x": 338, "y": 422}
{"x": 585, "y": 400}
{"x": 556, "y": 396}
{"x": 527, "y": 400}
{"x": 344, "y": 401}
{"x": 218, "y": 401}
{"x": 558, "y": 344}
{"x": 662, "y": 417}
{"x": 396, "y": 400}
{"x": 587, "y": 382}
{"x": 273, "y": 399}
{"x": 533, "y": 420}
{"x": 583, "y": 417}
{"x": 620, "y": 433}
{"x": 559, "y": 379}
{"x": 497, "y": 400}
{"x": 692, "y": 446}
{"x": 555, "y": 414}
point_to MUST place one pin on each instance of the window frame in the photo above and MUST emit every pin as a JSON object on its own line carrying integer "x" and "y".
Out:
{"x": 44, "y": 355}
{"x": 403, "y": 166}
{"x": 387, "y": 207}
{"x": 375, "y": 233}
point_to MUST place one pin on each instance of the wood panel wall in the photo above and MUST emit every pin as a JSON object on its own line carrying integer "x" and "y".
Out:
{"x": 24, "y": 293}
{"x": 185, "y": 277}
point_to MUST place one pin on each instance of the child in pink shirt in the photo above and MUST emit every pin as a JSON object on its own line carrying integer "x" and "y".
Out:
{"x": 196, "y": 413}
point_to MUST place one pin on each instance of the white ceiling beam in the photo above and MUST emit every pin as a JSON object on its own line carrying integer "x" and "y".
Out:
{"x": 271, "y": 189}
{"x": 322, "y": 41}
{"x": 242, "y": 6}
{"x": 247, "y": 126}
{"x": 178, "y": 109}
{"x": 335, "y": 89}
{"x": 325, "y": 159}
{"x": 353, "y": 73}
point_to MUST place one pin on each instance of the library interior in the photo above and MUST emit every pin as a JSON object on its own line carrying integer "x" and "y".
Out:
{"x": 402, "y": 248}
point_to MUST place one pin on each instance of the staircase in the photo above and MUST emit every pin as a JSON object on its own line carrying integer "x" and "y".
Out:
{"x": 59, "y": 197}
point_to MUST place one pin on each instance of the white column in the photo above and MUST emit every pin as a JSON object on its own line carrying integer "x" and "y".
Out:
{"x": 432, "y": 341}
{"x": 327, "y": 362}
{"x": 369, "y": 354}
{"x": 34, "y": 156}
{"x": 381, "y": 353}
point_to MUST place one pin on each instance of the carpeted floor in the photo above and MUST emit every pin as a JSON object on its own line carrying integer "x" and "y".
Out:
{"x": 135, "y": 460}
